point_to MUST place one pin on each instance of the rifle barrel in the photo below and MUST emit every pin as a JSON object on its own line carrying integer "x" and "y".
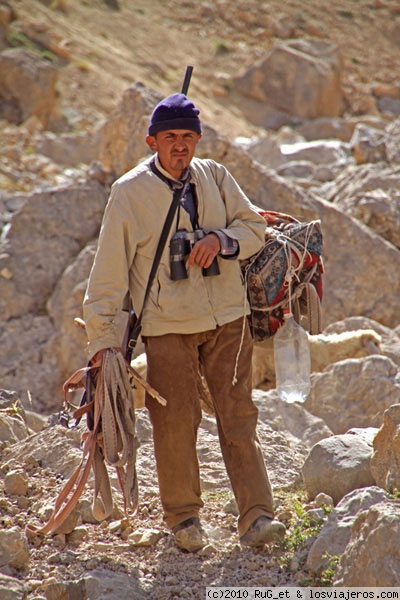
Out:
{"x": 186, "y": 81}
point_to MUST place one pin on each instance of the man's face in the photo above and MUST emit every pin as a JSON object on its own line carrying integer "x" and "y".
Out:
{"x": 175, "y": 149}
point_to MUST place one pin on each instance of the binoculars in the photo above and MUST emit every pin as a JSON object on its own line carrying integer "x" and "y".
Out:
{"x": 180, "y": 247}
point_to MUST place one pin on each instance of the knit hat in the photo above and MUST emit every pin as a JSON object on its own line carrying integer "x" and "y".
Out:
{"x": 175, "y": 112}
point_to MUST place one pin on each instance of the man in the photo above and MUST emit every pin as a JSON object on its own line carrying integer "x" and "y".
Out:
{"x": 193, "y": 319}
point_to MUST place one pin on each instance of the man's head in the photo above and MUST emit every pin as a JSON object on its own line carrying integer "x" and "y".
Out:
{"x": 174, "y": 131}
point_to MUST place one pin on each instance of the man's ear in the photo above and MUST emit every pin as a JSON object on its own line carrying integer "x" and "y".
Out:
{"x": 152, "y": 143}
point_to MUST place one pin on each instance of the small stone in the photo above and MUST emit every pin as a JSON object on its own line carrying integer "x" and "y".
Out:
{"x": 80, "y": 534}
{"x": 126, "y": 533}
{"x": 59, "y": 540}
{"x": 231, "y": 508}
{"x": 323, "y": 500}
{"x": 14, "y": 550}
{"x": 147, "y": 537}
{"x": 208, "y": 550}
{"x": 316, "y": 515}
{"x": 16, "y": 483}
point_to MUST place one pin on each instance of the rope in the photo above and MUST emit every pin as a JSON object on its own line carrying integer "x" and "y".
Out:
{"x": 291, "y": 249}
{"x": 234, "y": 380}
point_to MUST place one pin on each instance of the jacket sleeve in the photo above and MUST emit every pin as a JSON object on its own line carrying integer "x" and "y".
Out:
{"x": 109, "y": 277}
{"x": 244, "y": 223}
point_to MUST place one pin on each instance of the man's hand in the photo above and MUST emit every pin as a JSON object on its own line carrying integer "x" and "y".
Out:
{"x": 204, "y": 251}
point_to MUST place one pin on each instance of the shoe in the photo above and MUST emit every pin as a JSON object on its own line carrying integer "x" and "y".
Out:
{"x": 189, "y": 535}
{"x": 263, "y": 531}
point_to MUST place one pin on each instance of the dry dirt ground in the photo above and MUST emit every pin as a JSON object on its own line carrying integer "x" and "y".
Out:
{"x": 152, "y": 41}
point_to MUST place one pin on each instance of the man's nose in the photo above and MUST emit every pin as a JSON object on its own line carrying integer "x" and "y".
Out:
{"x": 180, "y": 143}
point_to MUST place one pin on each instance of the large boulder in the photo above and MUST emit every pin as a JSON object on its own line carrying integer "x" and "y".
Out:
{"x": 26, "y": 365}
{"x": 27, "y": 86}
{"x": 298, "y": 78}
{"x": 372, "y": 556}
{"x": 14, "y": 550}
{"x": 46, "y": 234}
{"x": 301, "y": 429}
{"x": 370, "y": 194}
{"x": 354, "y": 392}
{"x": 385, "y": 461}
{"x": 123, "y": 134}
{"x": 339, "y": 464}
{"x": 336, "y": 532}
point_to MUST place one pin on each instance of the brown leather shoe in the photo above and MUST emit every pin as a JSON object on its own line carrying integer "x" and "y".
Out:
{"x": 189, "y": 535}
{"x": 263, "y": 531}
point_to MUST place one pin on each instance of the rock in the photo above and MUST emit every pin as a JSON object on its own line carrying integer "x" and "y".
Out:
{"x": 388, "y": 105}
{"x": 66, "y": 526}
{"x": 385, "y": 460}
{"x": 27, "y": 86}
{"x": 322, "y": 500}
{"x": 147, "y": 537}
{"x": 298, "y": 78}
{"x": 324, "y": 128}
{"x": 46, "y": 234}
{"x": 16, "y": 483}
{"x": 13, "y": 548}
{"x": 301, "y": 428}
{"x": 368, "y": 144}
{"x": 69, "y": 149}
{"x": 12, "y": 430}
{"x": 25, "y": 363}
{"x": 318, "y": 152}
{"x": 103, "y": 584}
{"x": 363, "y": 388}
{"x": 393, "y": 141}
{"x": 379, "y": 209}
{"x": 301, "y": 169}
{"x": 372, "y": 556}
{"x": 55, "y": 225}
{"x": 34, "y": 421}
{"x": 55, "y": 590}
{"x": 78, "y": 535}
{"x": 339, "y": 464}
{"x": 11, "y": 588}
{"x": 123, "y": 134}
{"x": 335, "y": 533}
{"x": 64, "y": 305}
{"x": 370, "y": 194}
{"x": 56, "y": 448}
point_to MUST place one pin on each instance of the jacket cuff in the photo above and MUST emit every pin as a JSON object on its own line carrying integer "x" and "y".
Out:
{"x": 229, "y": 246}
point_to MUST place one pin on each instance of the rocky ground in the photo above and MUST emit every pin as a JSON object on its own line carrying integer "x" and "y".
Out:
{"x": 139, "y": 549}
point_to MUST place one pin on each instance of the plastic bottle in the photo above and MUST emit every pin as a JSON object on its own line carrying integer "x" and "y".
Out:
{"x": 292, "y": 361}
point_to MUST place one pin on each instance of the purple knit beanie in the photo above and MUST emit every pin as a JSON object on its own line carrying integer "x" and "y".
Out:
{"x": 175, "y": 112}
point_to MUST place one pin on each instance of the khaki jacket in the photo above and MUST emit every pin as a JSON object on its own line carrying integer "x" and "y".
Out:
{"x": 132, "y": 224}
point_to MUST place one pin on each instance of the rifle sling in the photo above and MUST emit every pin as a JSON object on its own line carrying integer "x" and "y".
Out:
{"x": 176, "y": 198}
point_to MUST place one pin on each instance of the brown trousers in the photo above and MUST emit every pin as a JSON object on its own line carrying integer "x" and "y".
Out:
{"x": 173, "y": 361}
